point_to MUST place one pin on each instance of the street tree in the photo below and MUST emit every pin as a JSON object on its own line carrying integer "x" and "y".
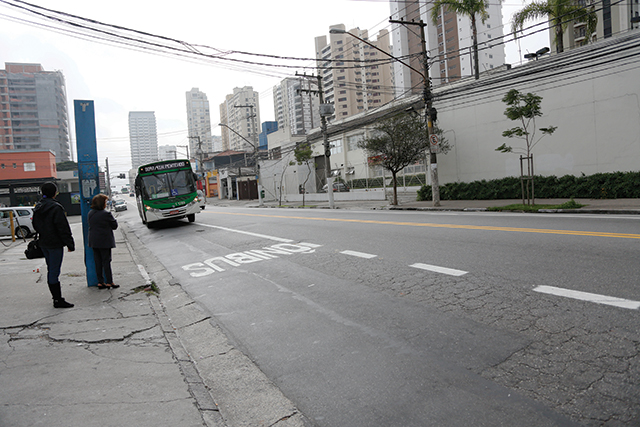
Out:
{"x": 303, "y": 153}
{"x": 524, "y": 108}
{"x": 560, "y": 13}
{"x": 67, "y": 165}
{"x": 471, "y": 9}
{"x": 396, "y": 143}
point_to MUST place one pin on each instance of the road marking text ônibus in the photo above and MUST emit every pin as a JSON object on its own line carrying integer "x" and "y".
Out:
{"x": 212, "y": 265}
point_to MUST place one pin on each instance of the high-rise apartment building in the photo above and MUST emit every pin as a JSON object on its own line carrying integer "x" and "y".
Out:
{"x": 33, "y": 110}
{"x": 167, "y": 152}
{"x": 356, "y": 76}
{"x": 449, "y": 44}
{"x": 240, "y": 113}
{"x": 296, "y": 105}
{"x": 199, "y": 121}
{"x": 143, "y": 137}
{"x": 614, "y": 17}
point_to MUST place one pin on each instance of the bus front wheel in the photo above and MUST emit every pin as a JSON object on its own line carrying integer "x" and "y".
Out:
{"x": 191, "y": 217}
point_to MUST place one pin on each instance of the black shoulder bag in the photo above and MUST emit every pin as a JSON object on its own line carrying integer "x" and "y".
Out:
{"x": 33, "y": 250}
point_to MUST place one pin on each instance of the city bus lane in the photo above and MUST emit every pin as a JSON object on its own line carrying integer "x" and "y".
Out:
{"x": 340, "y": 349}
{"x": 583, "y": 346}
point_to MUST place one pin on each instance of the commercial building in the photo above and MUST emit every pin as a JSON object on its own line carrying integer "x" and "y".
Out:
{"x": 22, "y": 172}
{"x": 199, "y": 121}
{"x": 143, "y": 138}
{"x": 240, "y": 116}
{"x": 449, "y": 44}
{"x": 356, "y": 76}
{"x": 33, "y": 110}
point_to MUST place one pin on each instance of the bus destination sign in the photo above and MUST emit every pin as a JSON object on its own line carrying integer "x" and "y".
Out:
{"x": 163, "y": 167}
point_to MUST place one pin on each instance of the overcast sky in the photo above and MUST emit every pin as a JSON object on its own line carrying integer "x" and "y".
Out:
{"x": 120, "y": 79}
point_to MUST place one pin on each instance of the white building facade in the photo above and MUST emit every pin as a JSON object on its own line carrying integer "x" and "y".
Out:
{"x": 590, "y": 93}
{"x": 199, "y": 122}
{"x": 296, "y": 105}
{"x": 448, "y": 42}
{"x": 143, "y": 138}
{"x": 240, "y": 116}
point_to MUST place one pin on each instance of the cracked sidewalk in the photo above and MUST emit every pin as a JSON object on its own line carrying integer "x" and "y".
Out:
{"x": 119, "y": 357}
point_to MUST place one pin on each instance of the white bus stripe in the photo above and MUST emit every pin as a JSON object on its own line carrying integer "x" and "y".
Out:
{"x": 437, "y": 269}
{"x": 586, "y": 296}
{"x": 264, "y": 236}
{"x": 359, "y": 254}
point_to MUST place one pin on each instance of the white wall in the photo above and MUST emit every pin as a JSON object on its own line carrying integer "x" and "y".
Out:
{"x": 592, "y": 94}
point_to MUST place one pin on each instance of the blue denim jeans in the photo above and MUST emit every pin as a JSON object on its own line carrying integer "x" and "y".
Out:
{"x": 53, "y": 257}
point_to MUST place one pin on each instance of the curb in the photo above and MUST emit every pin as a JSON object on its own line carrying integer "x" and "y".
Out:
{"x": 228, "y": 387}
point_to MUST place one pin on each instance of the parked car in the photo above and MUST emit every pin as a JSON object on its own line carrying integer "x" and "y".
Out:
{"x": 120, "y": 205}
{"x": 339, "y": 187}
{"x": 22, "y": 217}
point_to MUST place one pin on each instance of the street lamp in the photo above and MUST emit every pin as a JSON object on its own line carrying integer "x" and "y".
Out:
{"x": 426, "y": 94}
{"x": 537, "y": 54}
{"x": 255, "y": 156}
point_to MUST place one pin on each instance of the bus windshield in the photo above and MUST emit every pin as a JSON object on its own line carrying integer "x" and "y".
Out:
{"x": 168, "y": 184}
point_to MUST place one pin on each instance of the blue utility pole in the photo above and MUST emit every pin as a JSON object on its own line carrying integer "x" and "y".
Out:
{"x": 88, "y": 175}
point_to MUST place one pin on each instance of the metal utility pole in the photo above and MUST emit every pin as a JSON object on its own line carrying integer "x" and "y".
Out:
{"x": 428, "y": 109}
{"x": 324, "y": 112}
{"x": 108, "y": 178}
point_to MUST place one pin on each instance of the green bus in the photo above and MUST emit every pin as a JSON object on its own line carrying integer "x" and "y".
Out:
{"x": 166, "y": 190}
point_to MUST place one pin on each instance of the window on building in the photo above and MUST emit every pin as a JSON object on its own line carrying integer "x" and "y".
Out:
{"x": 352, "y": 141}
{"x": 336, "y": 146}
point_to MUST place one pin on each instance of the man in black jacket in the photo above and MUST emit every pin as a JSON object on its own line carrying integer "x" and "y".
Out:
{"x": 54, "y": 233}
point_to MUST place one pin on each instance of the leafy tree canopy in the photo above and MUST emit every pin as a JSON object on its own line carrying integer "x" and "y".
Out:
{"x": 66, "y": 166}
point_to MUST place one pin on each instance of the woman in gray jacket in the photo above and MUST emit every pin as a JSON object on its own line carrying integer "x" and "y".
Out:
{"x": 101, "y": 240}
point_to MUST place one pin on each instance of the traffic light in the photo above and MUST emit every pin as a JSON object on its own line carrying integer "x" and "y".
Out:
{"x": 122, "y": 176}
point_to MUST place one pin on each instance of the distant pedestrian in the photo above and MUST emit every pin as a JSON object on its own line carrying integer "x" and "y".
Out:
{"x": 101, "y": 240}
{"x": 54, "y": 233}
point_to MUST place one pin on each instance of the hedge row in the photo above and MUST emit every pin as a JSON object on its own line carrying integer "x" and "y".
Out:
{"x": 599, "y": 186}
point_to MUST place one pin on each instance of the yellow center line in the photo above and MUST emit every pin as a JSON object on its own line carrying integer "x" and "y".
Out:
{"x": 455, "y": 226}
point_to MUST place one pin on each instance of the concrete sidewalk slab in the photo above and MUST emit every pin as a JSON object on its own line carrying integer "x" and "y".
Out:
{"x": 105, "y": 362}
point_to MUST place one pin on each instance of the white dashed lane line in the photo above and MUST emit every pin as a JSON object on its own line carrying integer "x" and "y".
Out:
{"x": 438, "y": 269}
{"x": 586, "y": 296}
{"x": 358, "y": 254}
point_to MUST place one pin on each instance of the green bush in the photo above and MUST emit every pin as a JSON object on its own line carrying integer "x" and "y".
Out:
{"x": 598, "y": 186}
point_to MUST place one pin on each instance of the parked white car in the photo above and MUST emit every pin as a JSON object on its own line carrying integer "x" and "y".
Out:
{"x": 22, "y": 217}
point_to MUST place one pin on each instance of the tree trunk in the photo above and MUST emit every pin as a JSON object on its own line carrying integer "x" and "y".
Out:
{"x": 474, "y": 30}
{"x": 559, "y": 38}
{"x": 395, "y": 188}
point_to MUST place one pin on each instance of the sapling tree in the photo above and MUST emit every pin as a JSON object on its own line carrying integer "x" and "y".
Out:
{"x": 524, "y": 108}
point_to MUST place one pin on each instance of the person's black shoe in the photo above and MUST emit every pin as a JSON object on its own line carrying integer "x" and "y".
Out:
{"x": 61, "y": 303}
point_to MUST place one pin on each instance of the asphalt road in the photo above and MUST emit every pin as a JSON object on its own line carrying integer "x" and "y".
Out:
{"x": 412, "y": 318}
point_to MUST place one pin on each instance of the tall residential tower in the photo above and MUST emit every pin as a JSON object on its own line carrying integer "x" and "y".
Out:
{"x": 143, "y": 138}
{"x": 448, "y": 42}
{"x": 199, "y": 120}
{"x": 295, "y": 105}
{"x": 356, "y": 76}
{"x": 33, "y": 110}
{"x": 240, "y": 113}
